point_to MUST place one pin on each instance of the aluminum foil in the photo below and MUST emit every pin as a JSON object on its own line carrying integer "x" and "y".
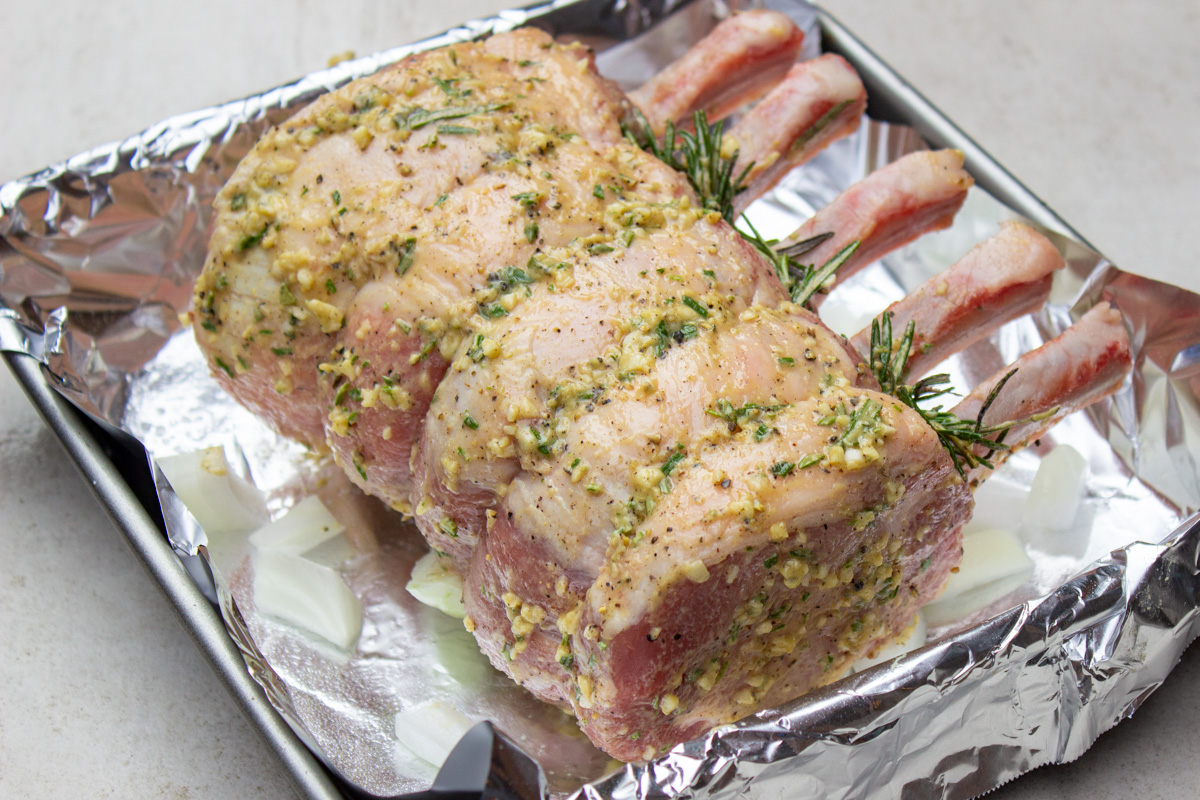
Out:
{"x": 96, "y": 261}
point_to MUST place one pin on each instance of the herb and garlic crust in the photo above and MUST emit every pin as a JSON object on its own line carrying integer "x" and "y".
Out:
{"x": 675, "y": 496}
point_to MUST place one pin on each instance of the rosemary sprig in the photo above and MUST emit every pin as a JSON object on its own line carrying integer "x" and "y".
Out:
{"x": 697, "y": 155}
{"x": 889, "y": 360}
{"x": 960, "y": 437}
{"x": 801, "y": 280}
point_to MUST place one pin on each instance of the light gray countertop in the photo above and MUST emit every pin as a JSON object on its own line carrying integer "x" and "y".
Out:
{"x": 1095, "y": 106}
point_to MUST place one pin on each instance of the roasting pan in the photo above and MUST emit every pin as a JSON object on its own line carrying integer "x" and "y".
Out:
{"x": 115, "y": 464}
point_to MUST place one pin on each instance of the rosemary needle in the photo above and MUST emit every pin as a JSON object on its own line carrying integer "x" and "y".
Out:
{"x": 806, "y": 245}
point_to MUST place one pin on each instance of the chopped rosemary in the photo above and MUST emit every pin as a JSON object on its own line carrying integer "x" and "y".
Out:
{"x": 504, "y": 280}
{"x": 746, "y": 417}
{"x": 809, "y": 460}
{"x": 475, "y": 351}
{"x": 695, "y": 306}
{"x": 669, "y": 333}
{"x": 405, "y": 256}
{"x": 251, "y": 240}
{"x": 420, "y": 117}
{"x": 448, "y": 86}
{"x": 224, "y": 367}
{"x": 669, "y": 465}
{"x": 365, "y": 101}
{"x": 528, "y": 199}
{"x": 864, "y": 421}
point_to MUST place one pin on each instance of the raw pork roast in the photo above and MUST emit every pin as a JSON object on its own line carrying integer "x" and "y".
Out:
{"x": 675, "y": 496}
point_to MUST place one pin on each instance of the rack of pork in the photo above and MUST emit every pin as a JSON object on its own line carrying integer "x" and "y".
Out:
{"x": 674, "y": 495}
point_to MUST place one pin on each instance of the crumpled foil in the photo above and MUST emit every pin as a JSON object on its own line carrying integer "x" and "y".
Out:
{"x": 97, "y": 258}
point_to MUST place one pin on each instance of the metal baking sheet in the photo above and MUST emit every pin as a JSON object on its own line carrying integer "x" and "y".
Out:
{"x": 75, "y": 366}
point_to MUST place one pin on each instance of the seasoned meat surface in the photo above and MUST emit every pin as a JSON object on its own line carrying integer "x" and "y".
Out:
{"x": 674, "y": 495}
{"x": 361, "y": 242}
{"x": 591, "y": 392}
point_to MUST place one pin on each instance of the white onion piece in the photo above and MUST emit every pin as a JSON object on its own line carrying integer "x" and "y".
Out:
{"x": 995, "y": 500}
{"x": 213, "y": 493}
{"x": 435, "y": 584}
{"x": 914, "y": 639}
{"x": 431, "y": 729}
{"x": 308, "y": 595}
{"x": 457, "y": 653}
{"x": 994, "y": 563}
{"x": 332, "y": 553}
{"x": 305, "y": 526}
{"x": 1057, "y": 490}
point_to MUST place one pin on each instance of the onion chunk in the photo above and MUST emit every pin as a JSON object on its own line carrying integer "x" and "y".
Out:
{"x": 994, "y": 563}
{"x": 307, "y": 525}
{"x": 219, "y": 500}
{"x": 1057, "y": 490}
{"x": 308, "y": 595}
{"x": 431, "y": 729}
{"x": 435, "y": 584}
